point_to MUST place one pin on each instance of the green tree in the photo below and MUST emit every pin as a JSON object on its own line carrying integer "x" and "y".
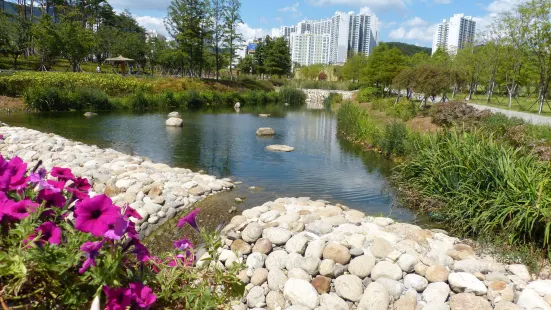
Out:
{"x": 232, "y": 37}
{"x": 537, "y": 39}
{"x": 47, "y": 42}
{"x": 383, "y": 65}
{"x": 469, "y": 61}
{"x": 247, "y": 64}
{"x": 76, "y": 42}
{"x": 17, "y": 37}
{"x": 278, "y": 57}
{"x": 431, "y": 81}
{"x": 217, "y": 16}
{"x": 353, "y": 67}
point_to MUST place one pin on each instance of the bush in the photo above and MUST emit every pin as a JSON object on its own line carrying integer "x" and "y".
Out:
{"x": 332, "y": 101}
{"x": 457, "y": 113}
{"x": 89, "y": 99}
{"x": 355, "y": 124}
{"x": 61, "y": 249}
{"x": 368, "y": 94}
{"x": 292, "y": 96}
{"x": 112, "y": 84}
{"x": 277, "y": 82}
{"x": 393, "y": 139}
{"x": 485, "y": 187}
{"x": 46, "y": 99}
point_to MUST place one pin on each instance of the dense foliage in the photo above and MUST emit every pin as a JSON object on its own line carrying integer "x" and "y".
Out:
{"x": 409, "y": 49}
{"x": 62, "y": 248}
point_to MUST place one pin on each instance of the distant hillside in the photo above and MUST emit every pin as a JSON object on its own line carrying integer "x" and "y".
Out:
{"x": 409, "y": 49}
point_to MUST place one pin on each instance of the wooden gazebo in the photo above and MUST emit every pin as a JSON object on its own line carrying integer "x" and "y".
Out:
{"x": 119, "y": 61}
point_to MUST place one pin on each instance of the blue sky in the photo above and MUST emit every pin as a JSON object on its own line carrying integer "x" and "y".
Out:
{"x": 411, "y": 21}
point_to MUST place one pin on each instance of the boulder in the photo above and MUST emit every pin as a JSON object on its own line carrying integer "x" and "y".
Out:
{"x": 90, "y": 114}
{"x": 375, "y": 297}
{"x": 175, "y": 122}
{"x": 265, "y": 131}
{"x": 300, "y": 292}
{"x": 174, "y": 114}
{"x": 280, "y": 148}
{"x": 349, "y": 287}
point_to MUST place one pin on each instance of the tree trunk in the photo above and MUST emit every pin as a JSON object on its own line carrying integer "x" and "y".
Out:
{"x": 15, "y": 61}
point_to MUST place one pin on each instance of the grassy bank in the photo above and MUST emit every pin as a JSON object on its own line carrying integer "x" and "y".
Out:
{"x": 482, "y": 174}
{"x": 48, "y": 91}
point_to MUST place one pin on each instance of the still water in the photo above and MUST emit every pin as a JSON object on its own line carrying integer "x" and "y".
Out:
{"x": 223, "y": 143}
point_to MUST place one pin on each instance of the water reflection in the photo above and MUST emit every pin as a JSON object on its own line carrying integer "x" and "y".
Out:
{"x": 223, "y": 142}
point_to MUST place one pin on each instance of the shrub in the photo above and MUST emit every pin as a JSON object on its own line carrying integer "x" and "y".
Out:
{"x": 277, "y": 82}
{"x": 393, "y": 139}
{"x": 457, "y": 113}
{"x": 355, "y": 124}
{"x": 368, "y": 94}
{"x": 403, "y": 109}
{"x": 292, "y": 96}
{"x": 46, "y": 99}
{"x": 332, "y": 101}
{"x": 322, "y": 76}
{"x": 61, "y": 248}
{"x": 112, "y": 84}
{"x": 89, "y": 99}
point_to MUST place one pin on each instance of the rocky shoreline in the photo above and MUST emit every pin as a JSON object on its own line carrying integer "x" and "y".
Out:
{"x": 303, "y": 254}
{"x": 156, "y": 190}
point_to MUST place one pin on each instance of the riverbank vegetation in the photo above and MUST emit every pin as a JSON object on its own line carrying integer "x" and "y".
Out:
{"x": 62, "y": 249}
{"x": 482, "y": 174}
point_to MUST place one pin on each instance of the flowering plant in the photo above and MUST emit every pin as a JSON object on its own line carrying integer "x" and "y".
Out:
{"x": 63, "y": 247}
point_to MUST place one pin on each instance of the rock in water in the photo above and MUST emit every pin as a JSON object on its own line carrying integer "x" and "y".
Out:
{"x": 89, "y": 114}
{"x": 174, "y": 114}
{"x": 264, "y": 115}
{"x": 280, "y": 148}
{"x": 174, "y": 122}
{"x": 265, "y": 131}
{"x": 237, "y": 105}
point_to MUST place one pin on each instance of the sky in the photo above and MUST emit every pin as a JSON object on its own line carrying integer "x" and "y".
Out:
{"x": 409, "y": 21}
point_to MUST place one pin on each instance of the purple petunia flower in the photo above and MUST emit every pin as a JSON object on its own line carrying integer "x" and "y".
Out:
{"x": 131, "y": 231}
{"x": 143, "y": 295}
{"x": 131, "y": 212}
{"x": 183, "y": 245}
{"x": 51, "y": 198}
{"x": 91, "y": 251}
{"x": 49, "y": 233}
{"x": 63, "y": 174}
{"x": 117, "y": 298}
{"x": 12, "y": 174}
{"x": 95, "y": 215}
{"x": 142, "y": 253}
{"x": 190, "y": 219}
{"x": 117, "y": 230}
{"x": 19, "y": 210}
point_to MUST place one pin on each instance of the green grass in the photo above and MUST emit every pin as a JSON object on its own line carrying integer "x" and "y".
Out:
{"x": 523, "y": 104}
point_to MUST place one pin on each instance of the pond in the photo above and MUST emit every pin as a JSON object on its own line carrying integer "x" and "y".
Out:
{"x": 223, "y": 143}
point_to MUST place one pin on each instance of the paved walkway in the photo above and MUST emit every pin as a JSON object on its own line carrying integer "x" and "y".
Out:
{"x": 528, "y": 117}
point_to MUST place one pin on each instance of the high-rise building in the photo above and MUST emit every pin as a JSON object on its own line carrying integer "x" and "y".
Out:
{"x": 331, "y": 40}
{"x": 455, "y": 33}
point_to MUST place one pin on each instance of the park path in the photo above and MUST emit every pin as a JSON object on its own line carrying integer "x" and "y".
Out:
{"x": 528, "y": 117}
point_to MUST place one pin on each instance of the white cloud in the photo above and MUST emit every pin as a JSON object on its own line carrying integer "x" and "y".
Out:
{"x": 443, "y": 1}
{"x": 250, "y": 33}
{"x": 499, "y": 6}
{"x": 157, "y": 5}
{"x": 366, "y": 10}
{"x": 293, "y": 9}
{"x": 416, "y": 29}
{"x": 152, "y": 23}
{"x": 373, "y": 4}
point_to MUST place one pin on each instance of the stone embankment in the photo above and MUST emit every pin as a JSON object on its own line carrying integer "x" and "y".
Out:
{"x": 156, "y": 190}
{"x": 315, "y": 97}
{"x": 304, "y": 254}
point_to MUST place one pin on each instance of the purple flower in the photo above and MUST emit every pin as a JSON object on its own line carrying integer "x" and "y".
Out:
{"x": 141, "y": 251}
{"x": 186, "y": 260}
{"x": 1, "y": 137}
{"x": 12, "y": 174}
{"x": 190, "y": 219}
{"x": 95, "y": 215}
{"x": 117, "y": 230}
{"x": 63, "y": 174}
{"x": 91, "y": 251}
{"x": 51, "y": 198}
{"x": 131, "y": 231}
{"x": 117, "y": 298}
{"x": 49, "y": 233}
{"x": 143, "y": 295}
{"x": 19, "y": 210}
{"x": 183, "y": 245}
{"x": 130, "y": 212}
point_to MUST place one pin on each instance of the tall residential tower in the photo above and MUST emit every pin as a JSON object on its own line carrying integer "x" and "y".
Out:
{"x": 331, "y": 40}
{"x": 455, "y": 33}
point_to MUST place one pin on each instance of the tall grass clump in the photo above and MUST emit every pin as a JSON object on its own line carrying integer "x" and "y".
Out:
{"x": 482, "y": 186}
{"x": 355, "y": 124}
{"x": 292, "y": 96}
{"x": 332, "y": 101}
